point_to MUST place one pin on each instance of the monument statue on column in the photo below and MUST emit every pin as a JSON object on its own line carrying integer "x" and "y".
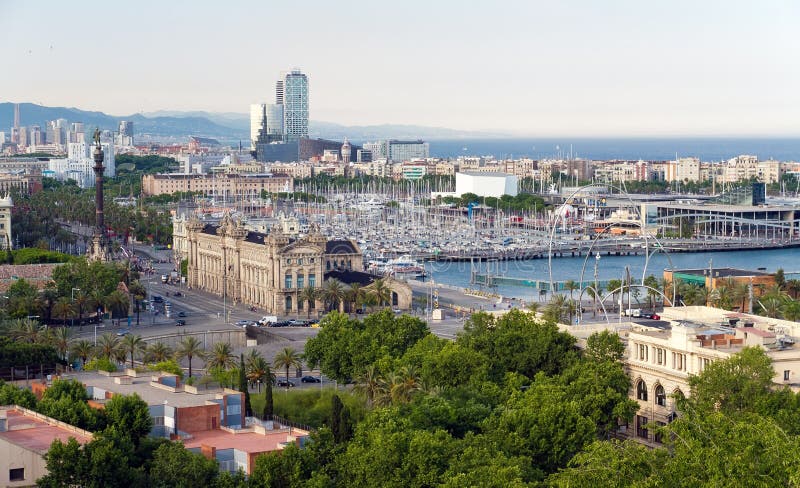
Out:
{"x": 99, "y": 248}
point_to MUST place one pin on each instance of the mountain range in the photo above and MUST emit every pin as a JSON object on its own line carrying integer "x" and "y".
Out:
{"x": 226, "y": 126}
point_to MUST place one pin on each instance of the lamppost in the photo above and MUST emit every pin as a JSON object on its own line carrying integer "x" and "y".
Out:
{"x": 596, "y": 263}
{"x": 98, "y": 324}
{"x": 72, "y": 300}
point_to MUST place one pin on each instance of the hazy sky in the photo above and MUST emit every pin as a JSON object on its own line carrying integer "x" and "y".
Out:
{"x": 574, "y": 68}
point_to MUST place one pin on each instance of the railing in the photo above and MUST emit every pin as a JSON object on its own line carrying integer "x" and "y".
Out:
{"x": 279, "y": 420}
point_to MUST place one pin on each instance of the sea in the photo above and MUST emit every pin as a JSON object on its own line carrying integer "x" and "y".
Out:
{"x": 648, "y": 149}
{"x": 612, "y": 267}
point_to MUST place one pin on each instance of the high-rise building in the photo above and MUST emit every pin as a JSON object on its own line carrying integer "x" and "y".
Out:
{"x": 275, "y": 121}
{"x": 279, "y": 92}
{"x": 295, "y": 105}
{"x": 2, "y": 138}
{"x": 22, "y": 137}
{"x": 257, "y": 112}
{"x": 35, "y": 135}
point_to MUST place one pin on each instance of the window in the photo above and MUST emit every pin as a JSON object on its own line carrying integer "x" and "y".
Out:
{"x": 288, "y": 261}
{"x": 287, "y": 281}
{"x": 642, "y": 352}
{"x": 661, "y": 396}
{"x": 16, "y": 474}
{"x": 659, "y": 433}
{"x": 312, "y": 280}
{"x": 300, "y": 280}
{"x": 641, "y": 429}
{"x": 300, "y": 261}
{"x": 288, "y": 304}
{"x": 786, "y": 375}
{"x": 661, "y": 356}
{"x": 641, "y": 390}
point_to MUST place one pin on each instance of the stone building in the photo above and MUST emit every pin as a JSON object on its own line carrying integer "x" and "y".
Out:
{"x": 268, "y": 271}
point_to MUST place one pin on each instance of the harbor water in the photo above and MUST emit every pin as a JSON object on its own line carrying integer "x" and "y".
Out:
{"x": 608, "y": 267}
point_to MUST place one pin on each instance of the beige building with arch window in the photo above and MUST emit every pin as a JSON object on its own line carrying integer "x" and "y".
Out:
{"x": 270, "y": 271}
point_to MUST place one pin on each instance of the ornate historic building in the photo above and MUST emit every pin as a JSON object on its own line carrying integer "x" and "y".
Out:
{"x": 268, "y": 271}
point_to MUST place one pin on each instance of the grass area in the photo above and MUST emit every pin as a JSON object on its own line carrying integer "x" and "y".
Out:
{"x": 310, "y": 406}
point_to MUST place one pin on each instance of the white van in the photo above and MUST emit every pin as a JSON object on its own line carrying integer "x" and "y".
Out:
{"x": 268, "y": 319}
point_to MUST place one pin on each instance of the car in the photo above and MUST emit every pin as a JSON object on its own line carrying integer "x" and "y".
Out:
{"x": 243, "y": 323}
{"x": 309, "y": 379}
{"x": 181, "y": 314}
{"x": 177, "y": 294}
{"x": 180, "y": 323}
{"x": 285, "y": 383}
{"x": 123, "y": 333}
{"x": 299, "y": 323}
{"x": 158, "y": 298}
{"x": 653, "y": 316}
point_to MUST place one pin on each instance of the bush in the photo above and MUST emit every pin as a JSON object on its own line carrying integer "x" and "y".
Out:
{"x": 169, "y": 366}
{"x": 100, "y": 364}
{"x": 21, "y": 354}
{"x": 311, "y": 407}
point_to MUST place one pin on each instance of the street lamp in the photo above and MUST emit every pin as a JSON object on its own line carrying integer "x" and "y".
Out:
{"x": 98, "y": 324}
{"x": 72, "y": 300}
{"x": 596, "y": 263}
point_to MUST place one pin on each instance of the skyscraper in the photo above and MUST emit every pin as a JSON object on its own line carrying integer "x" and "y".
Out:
{"x": 279, "y": 92}
{"x": 275, "y": 121}
{"x": 295, "y": 105}
{"x": 257, "y": 111}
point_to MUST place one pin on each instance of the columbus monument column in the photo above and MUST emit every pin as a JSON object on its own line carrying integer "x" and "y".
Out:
{"x": 99, "y": 248}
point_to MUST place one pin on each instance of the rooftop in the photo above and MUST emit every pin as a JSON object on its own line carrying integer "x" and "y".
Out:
{"x": 251, "y": 442}
{"x": 150, "y": 394}
{"x": 36, "y": 432}
{"x": 723, "y": 272}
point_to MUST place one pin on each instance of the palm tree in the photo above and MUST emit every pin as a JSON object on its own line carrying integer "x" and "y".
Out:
{"x": 652, "y": 285}
{"x": 333, "y": 293}
{"x": 381, "y": 292}
{"x": 309, "y": 294}
{"x": 60, "y": 339}
{"x": 570, "y": 285}
{"x": 614, "y": 287}
{"x": 772, "y": 307}
{"x": 63, "y": 309}
{"x": 740, "y": 292}
{"x": 555, "y": 309}
{"x": 703, "y": 296}
{"x": 47, "y": 299}
{"x": 372, "y": 385}
{"x": 257, "y": 371}
{"x": 221, "y": 356}
{"x": 404, "y": 384}
{"x": 532, "y": 307}
{"x": 139, "y": 293}
{"x": 133, "y": 344}
{"x": 118, "y": 302}
{"x": 159, "y": 352}
{"x": 791, "y": 310}
{"x": 108, "y": 346}
{"x": 81, "y": 303}
{"x": 286, "y": 358}
{"x": 189, "y": 348}
{"x": 793, "y": 288}
{"x": 356, "y": 295}
{"x": 26, "y": 330}
{"x": 82, "y": 349}
{"x": 252, "y": 355}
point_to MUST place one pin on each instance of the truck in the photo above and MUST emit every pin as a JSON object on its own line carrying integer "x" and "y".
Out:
{"x": 267, "y": 320}
{"x": 633, "y": 312}
{"x": 164, "y": 278}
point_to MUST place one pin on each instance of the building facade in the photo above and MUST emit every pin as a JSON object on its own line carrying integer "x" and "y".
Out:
{"x": 227, "y": 185}
{"x": 6, "y": 204}
{"x": 268, "y": 271}
{"x": 295, "y": 105}
{"x": 257, "y": 113}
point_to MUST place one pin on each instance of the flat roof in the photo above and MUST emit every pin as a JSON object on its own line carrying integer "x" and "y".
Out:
{"x": 150, "y": 394}
{"x": 36, "y": 434}
{"x": 251, "y": 442}
{"x": 722, "y": 272}
{"x": 729, "y": 208}
{"x": 494, "y": 174}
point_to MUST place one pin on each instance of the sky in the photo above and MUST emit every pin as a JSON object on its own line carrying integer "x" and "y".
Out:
{"x": 528, "y": 68}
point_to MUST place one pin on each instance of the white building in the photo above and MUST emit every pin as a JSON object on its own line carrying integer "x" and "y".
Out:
{"x": 79, "y": 163}
{"x": 6, "y": 204}
{"x": 257, "y": 111}
{"x": 486, "y": 184}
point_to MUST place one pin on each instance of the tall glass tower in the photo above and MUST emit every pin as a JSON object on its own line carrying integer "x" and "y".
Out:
{"x": 295, "y": 105}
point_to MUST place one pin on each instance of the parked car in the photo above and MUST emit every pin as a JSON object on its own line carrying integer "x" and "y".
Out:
{"x": 157, "y": 298}
{"x": 181, "y": 314}
{"x": 243, "y": 323}
{"x": 177, "y": 294}
{"x": 653, "y": 316}
{"x": 180, "y": 323}
{"x": 123, "y": 333}
{"x": 309, "y": 379}
{"x": 285, "y": 383}
{"x": 299, "y": 323}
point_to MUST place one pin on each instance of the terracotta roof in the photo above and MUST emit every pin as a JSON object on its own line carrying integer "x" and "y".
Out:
{"x": 36, "y": 434}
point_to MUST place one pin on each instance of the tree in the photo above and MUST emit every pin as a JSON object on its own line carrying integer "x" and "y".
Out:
{"x": 27, "y": 330}
{"x": 571, "y": 286}
{"x": 268, "y": 401}
{"x": 257, "y": 371}
{"x": 60, "y": 339}
{"x": 82, "y": 349}
{"x": 793, "y": 288}
{"x": 189, "y": 348}
{"x": 118, "y": 302}
{"x": 356, "y": 295}
{"x": 309, "y": 295}
{"x": 139, "y": 293}
{"x": 175, "y": 466}
{"x": 133, "y": 344}
{"x": 614, "y": 286}
{"x": 81, "y": 304}
{"x": 404, "y": 384}
{"x": 158, "y": 352}
{"x": 734, "y": 384}
{"x": 604, "y": 346}
{"x": 780, "y": 278}
{"x": 108, "y": 346}
{"x": 287, "y": 358}
{"x": 62, "y": 309}
{"x": 333, "y": 293}
{"x": 339, "y": 421}
{"x": 652, "y": 285}
{"x": 221, "y": 356}
{"x": 243, "y": 387}
{"x": 381, "y": 292}
{"x": 371, "y": 384}
{"x": 130, "y": 415}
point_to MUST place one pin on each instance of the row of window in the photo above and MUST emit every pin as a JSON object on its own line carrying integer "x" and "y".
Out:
{"x": 661, "y": 395}
{"x": 312, "y": 281}
{"x": 660, "y": 356}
